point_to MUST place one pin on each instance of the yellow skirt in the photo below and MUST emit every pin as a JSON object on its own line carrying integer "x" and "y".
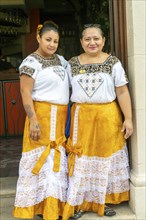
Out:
{"x": 98, "y": 159}
{"x": 42, "y": 182}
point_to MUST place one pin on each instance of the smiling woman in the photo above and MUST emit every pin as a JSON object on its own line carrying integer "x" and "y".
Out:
{"x": 42, "y": 182}
{"x": 98, "y": 159}
{"x": 92, "y": 42}
{"x": 48, "y": 39}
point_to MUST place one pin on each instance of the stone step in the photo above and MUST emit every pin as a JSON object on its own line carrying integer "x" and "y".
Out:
{"x": 7, "y": 195}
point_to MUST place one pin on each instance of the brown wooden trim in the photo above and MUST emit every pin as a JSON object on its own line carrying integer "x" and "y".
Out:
{"x": 119, "y": 36}
{"x": 112, "y": 36}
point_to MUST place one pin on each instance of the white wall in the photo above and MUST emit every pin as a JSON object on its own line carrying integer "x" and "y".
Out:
{"x": 136, "y": 35}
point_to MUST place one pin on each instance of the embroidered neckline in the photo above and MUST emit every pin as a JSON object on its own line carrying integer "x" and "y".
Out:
{"x": 105, "y": 67}
{"x": 49, "y": 58}
{"x": 89, "y": 64}
{"x": 48, "y": 62}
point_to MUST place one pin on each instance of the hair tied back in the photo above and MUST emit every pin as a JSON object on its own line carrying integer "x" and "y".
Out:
{"x": 51, "y": 23}
{"x": 39, "y": 27}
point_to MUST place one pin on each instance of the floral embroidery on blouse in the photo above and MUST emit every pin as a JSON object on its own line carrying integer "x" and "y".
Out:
{"x": 105, "y": 67}
{"x": 89, "y": 78}
{"x": 26, "y": 70}
{"x": 53, "y": 61}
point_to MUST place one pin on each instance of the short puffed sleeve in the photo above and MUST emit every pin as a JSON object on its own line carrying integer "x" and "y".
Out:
{"x": 119, "y": 75}
{"x": 29, "y": 67}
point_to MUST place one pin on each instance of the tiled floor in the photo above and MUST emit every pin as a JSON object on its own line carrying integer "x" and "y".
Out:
{"x": 10, "y": 154}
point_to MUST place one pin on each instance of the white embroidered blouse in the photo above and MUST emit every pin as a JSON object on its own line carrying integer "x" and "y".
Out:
{"x": 95, "y": 83}
{"x": 51, "y": 81}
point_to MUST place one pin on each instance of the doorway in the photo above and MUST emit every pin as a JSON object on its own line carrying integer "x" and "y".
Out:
{"x": 71, "y": 15}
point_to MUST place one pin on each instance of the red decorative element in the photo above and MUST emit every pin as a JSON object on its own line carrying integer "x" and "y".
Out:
{"x": 14, "y": 111}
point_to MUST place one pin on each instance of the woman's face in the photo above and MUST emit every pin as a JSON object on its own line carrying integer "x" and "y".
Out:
{"x": 48, "y": 43}
{"x": 92, "y": 41}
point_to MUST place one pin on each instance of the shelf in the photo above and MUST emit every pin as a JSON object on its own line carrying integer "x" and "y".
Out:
{"x": 12, "y": 2}
{"x": 13, "y": 23}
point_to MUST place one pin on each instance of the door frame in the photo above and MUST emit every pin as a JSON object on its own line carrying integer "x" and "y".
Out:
{"x": 118, "y": 30}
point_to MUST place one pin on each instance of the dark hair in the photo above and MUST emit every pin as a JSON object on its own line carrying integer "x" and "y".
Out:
{"x": 47, "y": 26}
{"x": 98, "y": 26}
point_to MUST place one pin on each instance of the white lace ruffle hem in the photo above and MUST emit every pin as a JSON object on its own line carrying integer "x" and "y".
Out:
{"x": 33, "y": 189}
{"x": 94, "y": 177}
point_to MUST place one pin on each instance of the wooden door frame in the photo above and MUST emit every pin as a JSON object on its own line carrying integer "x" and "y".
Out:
{"x": 118, "y": 30}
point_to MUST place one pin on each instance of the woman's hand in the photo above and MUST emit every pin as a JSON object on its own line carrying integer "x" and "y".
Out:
{"x": 34, "y": 130}
{"x": 127, "y": 128}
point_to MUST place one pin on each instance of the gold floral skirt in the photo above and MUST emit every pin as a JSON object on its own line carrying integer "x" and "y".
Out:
{"x": 42, "y": 182}
{"x": 97, "y": 159}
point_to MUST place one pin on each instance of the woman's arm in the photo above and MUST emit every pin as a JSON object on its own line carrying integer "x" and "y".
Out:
{"x": 26, "y": 86}
{"x": 124, "y": 100}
